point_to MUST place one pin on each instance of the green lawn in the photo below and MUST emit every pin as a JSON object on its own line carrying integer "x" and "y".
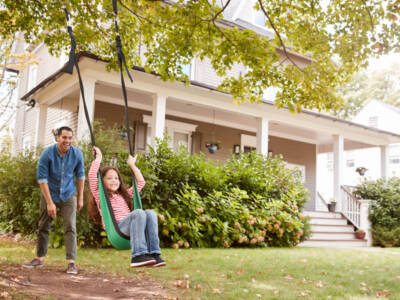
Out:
{"x": 271, "y": 273}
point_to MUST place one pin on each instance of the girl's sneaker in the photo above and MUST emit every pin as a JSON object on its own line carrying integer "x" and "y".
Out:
{"x": 159, "y": 261}
{"x": 142, "y": 260}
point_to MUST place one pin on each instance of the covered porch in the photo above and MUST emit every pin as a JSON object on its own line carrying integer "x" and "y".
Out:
{"x": 192, "y": 115}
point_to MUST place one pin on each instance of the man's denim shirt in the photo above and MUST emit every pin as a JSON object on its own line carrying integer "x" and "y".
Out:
{"x": 58, "y": 172}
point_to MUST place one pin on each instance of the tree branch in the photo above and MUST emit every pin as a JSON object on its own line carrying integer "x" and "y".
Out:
{"x": 278, "y": 34}
{"x": 369, "y": 14}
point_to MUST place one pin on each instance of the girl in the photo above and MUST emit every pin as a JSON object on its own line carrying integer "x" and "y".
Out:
{"x": 140, "y": 225}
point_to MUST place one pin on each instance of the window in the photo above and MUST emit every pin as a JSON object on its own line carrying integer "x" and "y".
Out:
{"x": 188, "y": 69}
{"x": 299, "y": 168}
{"x": 259, "y": 18}
{"x": 180, "y": 133}
{"x": 394, "y": 159}
{"x": 373, "y": 121}
{"x": 32, "y": 77}
{"x": 248, "y": 149}
{"x": 350, "y": 163}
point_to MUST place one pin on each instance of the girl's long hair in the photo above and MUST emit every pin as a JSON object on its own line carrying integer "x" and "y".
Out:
{"x": 93, "y": 211}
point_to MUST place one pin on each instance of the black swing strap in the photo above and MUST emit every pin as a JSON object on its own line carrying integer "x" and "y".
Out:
{"x": 122, "y": 63}
{"x": 70, "y": 68}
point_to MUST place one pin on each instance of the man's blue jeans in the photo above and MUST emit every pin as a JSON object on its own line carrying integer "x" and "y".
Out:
{"x": 142, "y": 227}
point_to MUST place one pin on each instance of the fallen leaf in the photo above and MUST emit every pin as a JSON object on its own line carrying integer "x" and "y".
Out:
{"x": 258, "y": 295}
{"x": 303, "y": 294}
{"x": 245, "y": 290}
{"x": 324, "y": 273}
{"x": 186, "y": 276}
{"x": 253, "y": 280}
{"x": 363, "y": 288}
{"x": 216, "y": 291}
{"x": 178, "y": 283}
{"x": 276, "y": 292}
{"x": 363, "y": 284}
{"x": 319, "y": 284}
{"x": 289, "y": 277}
{"x": 303, "y": 260}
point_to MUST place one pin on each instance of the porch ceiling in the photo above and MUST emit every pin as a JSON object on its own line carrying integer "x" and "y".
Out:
{"x": 197, "y": 102}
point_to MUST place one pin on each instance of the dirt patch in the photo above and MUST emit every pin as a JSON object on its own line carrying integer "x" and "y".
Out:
{"x": 17, "y": 282}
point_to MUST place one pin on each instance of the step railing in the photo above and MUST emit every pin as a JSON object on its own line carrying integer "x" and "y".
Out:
{"x": 356, "y": 211}
{"x": 351, "y": 207}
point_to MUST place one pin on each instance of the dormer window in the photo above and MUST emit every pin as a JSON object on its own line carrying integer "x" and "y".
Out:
{"x": 259, "y": 18}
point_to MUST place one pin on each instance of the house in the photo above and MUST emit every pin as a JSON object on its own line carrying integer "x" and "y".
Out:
{"x": 375, "y": 114}
{"x": 190, "y": 114}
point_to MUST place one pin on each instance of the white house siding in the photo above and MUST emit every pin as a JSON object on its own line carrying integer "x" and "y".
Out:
{"x": 375, "y": 114}
{"x": 47, "y": 64}
{"x": 63, "y": 112}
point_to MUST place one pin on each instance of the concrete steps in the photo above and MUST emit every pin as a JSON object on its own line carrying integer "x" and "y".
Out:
{"x": 330, "y": 229}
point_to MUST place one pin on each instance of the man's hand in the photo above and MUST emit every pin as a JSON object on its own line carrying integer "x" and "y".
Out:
{"x": 80, "y": 204}
{"x": 51, "y": 210}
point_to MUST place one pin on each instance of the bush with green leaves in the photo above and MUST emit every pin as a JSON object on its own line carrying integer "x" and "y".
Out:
{"x": 384, "y": 211}
{"x": 250, "y": 200}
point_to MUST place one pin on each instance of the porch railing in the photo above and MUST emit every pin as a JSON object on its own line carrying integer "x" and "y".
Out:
{"x": 351, "y": 207}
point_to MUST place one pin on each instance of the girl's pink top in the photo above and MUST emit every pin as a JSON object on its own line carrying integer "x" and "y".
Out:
{"x": 118, "y": 203}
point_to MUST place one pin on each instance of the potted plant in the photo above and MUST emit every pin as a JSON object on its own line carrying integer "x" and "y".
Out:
{"x": 213, "y": 146}
{"x": 361, "y": 170}
{"x": 360, "y": 234}
{"x": 332, "y": 205}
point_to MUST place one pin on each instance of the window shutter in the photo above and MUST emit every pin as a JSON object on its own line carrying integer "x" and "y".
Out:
{"x": 196, "y": 142}
{"x": 140, "y": 136}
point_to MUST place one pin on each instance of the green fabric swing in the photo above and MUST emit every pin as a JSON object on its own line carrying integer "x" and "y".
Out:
{"x": 117, "y": 239}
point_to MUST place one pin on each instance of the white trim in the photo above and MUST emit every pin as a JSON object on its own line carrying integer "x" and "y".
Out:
{"x": 32, "y": 76}
{"x": 239, "y": 9}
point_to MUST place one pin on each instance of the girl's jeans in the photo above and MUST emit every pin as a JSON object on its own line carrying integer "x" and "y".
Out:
{"x": 142, "y": 227}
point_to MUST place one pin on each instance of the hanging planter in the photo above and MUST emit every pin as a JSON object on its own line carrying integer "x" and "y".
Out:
{"x": 361, "y": 170}
{"x": 212, "y": 147}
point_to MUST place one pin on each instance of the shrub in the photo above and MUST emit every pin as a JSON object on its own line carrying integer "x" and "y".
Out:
{"x": 385, "y": 209}
{"x": 250, "y": 200}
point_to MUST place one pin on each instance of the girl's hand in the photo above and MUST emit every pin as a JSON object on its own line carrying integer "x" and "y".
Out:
{"x": 132, "y": 160}
{"x": 97, "y": 153}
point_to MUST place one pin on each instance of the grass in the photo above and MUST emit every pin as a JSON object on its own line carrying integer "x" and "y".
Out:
{"x": 270, "y": 273}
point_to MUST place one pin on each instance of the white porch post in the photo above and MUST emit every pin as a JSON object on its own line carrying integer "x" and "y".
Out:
{"x": 338, "y": 146}
{"x": 89, "y": 88}
{"x": 365, "y": 224}
{"x": 40, "y": 130}
{"x": 262, "y": 136}
{"x": 385, "y": 162}
{"x": 158, "y": 113}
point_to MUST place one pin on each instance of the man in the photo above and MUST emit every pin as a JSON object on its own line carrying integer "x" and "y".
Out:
{"x": 57, "y": 167}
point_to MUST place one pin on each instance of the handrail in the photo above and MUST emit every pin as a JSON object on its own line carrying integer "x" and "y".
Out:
{"x": 351, "y": 207}
{"x": 322, "y": 199}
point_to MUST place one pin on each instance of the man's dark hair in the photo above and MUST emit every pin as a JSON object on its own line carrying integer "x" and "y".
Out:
{"x": 59, "y": 130}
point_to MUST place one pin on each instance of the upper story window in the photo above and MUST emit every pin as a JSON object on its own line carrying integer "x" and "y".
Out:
{"x": 373, "y": 121}
{"x": 259, "y": 18}
{"x": 188, "y": 69}
{"x": 32, "y": 76}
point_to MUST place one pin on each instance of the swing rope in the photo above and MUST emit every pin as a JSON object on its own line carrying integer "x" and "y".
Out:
{"x": 118, "y": 239}
{"x": 122, "y": 63}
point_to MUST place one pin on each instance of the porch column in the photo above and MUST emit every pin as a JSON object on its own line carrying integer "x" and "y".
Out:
{"x": 338, "y": 159}
{"x": 262, "y": 136}
{"x": 40, "y": 130}
{"x": 158, "y": 114}
{"x": 385, "y": 162}
{"x": 89, "y": 88}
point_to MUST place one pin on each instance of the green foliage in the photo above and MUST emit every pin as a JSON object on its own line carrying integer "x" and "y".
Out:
{"x": 338, "y": 36}
{"x": 369, "y": 84}
{"x": 250, "y": 200}
{"x": 385, "y": 209}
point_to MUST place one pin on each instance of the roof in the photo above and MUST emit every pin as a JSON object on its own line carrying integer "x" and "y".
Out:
{"x": 80, "y": 55}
